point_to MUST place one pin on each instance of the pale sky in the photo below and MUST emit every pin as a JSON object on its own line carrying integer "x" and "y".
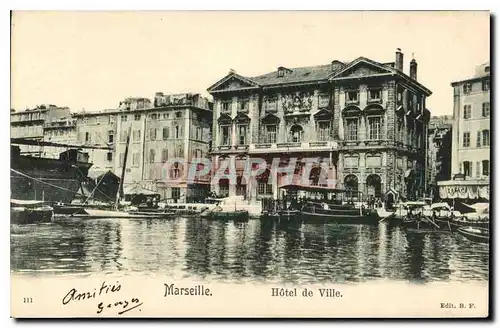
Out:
{"x": 93, "y": 60}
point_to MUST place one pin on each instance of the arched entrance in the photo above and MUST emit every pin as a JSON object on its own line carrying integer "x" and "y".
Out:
{"x": 264, "y": 188}
{"x": 223, "y": 187}
{"x": 374, "y": 186}
{"x": 351, "y": 185}
{"x": 296, "y": 133}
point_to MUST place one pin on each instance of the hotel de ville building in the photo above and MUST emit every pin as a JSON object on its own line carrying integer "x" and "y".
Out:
{"x": 365, "y": 120}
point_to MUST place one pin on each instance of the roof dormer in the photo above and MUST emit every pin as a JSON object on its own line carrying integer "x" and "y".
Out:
{"x": 283, "y": 71}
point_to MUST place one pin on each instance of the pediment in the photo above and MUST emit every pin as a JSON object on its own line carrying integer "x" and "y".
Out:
{"x": 242, "y": 118}
{"x": 225, "y": 119}
{"x": 362, "y": 67}
{"x": 232, "y": 81}
{"x": 270, "y": 119}
{"x": 323, "y": 114}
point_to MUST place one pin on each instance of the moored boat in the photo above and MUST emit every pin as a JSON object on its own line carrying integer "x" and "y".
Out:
{"x": 237, "y": 215}
{"x": 28, "y": 212}
{"x": 475, "y": 234}
{"x": 325, "y": 204}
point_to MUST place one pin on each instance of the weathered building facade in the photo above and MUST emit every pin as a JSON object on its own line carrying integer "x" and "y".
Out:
{"x": 61, "y": 131}
{"x": 471, "y": 126}
{"x": 471, "y": 133}
{"x": 364, "y": 122}
{"x": 439, "y": 151}
{"x": 29, "y": 124}
{"x": 171, "y": 127}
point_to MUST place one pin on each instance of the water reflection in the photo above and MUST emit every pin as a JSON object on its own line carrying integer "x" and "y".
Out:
{"x": 255, "y": 250}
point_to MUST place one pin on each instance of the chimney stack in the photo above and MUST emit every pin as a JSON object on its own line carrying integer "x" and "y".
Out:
{"x": 399, "y": 59}
{"x": 413, "y": 69}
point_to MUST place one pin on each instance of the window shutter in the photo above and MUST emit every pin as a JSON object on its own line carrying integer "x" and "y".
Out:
{"x": 478, "y": 141}
{"x": 478, "y": 169}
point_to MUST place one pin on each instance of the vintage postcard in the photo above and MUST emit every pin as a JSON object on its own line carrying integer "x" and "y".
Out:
{"x": 321, "y": 164}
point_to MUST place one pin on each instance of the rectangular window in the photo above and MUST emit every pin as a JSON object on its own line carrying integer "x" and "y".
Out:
{"x": 466, "y": 139}
{"x": 352, "y": 129}
{"x": 176, "y": 193}
{"x": 467, "y": 88}
{"x": 111, "y": 137}
{"x": 165, "y": 133}
{"x": 135, "y": 159}
{"x": 136, "y": 136}
{"x": 109, "y": 156}
{"x": 271, "y": 133}
{"x": 225, "y": 107}
{"x": 111, "y": 119}
{"x": 178, "y": 114}
{"x": 374, "y": 95}
{"x": 225, "y": 135}
{"x": 467, "y": 168}
{"x": 271, "y": 104}
{"x": 486, "y": 137}
{"x": 486, "y": 109}
{"x": 124, "y": 118}
{"x": 165, "y": 116}
{"x": 87, "y": 137}
{"x": 374, "y": 127}
{"x": 478, "y": 139}
{"x": 153, "y": 116}
{"x": 243, "y": 105}
{"x": 352, "y": 96}
{"x": 151, "y": 155}
{"x": 122, "y": 158}
{"x": 467, "y": 111}
{"x": 323, "y": 131}
{"x": 164, "y": 155}
{"x": 486, "y": 85}
{"x": 123, "y": 136}
{"x": 264, "y": 188}
{"x": 242, "y": 134}
{"x": 152, "y": 134}
{"x": 98, "y": 120}
{"x": 137, "y": 117}
{"x": 324, "y": 100}
{"x": 486, "y": 167}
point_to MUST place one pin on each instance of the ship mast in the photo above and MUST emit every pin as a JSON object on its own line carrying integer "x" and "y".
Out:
{"x": 120, "y": 188}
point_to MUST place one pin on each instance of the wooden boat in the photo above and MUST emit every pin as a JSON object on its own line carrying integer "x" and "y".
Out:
{"x": 28, "y": 212}
{"x": 383, "y": 214}
{"x": 237, "y": 215}
{"x": 332, "y": 207}
{"x": 478, "y": 235}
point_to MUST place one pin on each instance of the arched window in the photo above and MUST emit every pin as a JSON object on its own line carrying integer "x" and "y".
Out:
{"x": 296, "y": 133}
{"x": 374, "y": 185}
{"x": 351, "y": 185}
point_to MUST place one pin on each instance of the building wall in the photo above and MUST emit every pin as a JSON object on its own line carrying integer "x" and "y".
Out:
{"x": 62, "y": 131}
{"x": 30, "y": 124}
{"x": 476, "y": 123}
{"x": 94, "y": 129}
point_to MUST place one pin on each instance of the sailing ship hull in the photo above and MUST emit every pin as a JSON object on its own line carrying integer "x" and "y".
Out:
{"x": 47, "y": 179}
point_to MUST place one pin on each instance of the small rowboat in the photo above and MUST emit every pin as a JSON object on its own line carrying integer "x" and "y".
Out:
{"x": 479, "y": 235}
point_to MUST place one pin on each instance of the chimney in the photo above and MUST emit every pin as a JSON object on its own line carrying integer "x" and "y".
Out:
{"x": 399, "y": 59}
{"x": 413, "y": 69}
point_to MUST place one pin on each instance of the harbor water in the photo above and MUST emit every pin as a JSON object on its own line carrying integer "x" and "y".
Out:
{"x": 252, "y": 251}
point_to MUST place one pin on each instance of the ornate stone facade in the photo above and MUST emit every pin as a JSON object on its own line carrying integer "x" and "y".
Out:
{"x": 365, "y": 119}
